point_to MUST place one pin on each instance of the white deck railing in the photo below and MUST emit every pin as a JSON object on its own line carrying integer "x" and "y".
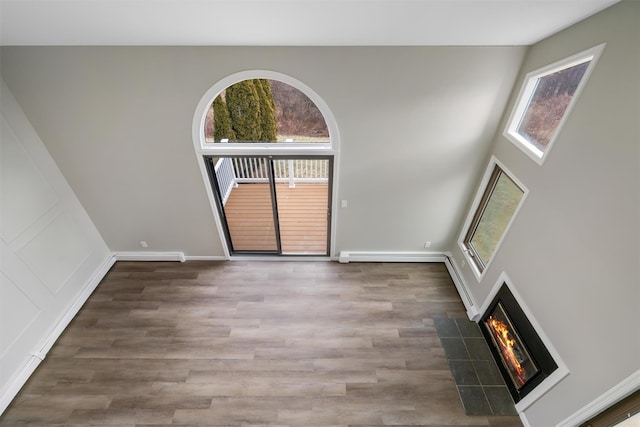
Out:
{"x": 226, "y": 178}
{"x": 233, "y": 171}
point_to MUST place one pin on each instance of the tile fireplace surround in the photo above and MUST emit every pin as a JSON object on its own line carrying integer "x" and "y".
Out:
{"x": 481, "y": 387}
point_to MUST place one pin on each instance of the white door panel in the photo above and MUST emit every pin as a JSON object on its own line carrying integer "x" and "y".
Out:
{"x": 26, "y": 194}
{"x": 51, "y": 253}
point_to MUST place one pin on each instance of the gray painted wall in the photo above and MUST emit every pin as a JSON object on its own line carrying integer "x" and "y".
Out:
{"x": 416, "y": 125}
{"x": 572, "y": 252}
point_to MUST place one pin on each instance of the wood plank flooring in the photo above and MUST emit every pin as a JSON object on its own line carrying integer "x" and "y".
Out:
{"x": 302, "y": 213}
{"x": 253, "y": 343}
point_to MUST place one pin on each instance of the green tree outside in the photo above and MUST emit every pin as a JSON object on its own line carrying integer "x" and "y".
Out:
{"x": 268, "y": 121}
{"x": 221, "y": 122}
{"x": 243, "y": 104}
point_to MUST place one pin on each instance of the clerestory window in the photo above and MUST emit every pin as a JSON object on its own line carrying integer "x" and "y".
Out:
{"x": 545, "y": 101}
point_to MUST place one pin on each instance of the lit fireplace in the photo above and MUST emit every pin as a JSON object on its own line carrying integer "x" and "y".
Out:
{"x": 522, "y": 357}
{"x": 513, "y": 353}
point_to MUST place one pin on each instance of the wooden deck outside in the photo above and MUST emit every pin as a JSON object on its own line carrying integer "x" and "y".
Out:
{"x": 302, "y": 214}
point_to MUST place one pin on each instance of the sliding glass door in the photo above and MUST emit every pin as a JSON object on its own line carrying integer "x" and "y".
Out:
{"x": 273, "y": 205}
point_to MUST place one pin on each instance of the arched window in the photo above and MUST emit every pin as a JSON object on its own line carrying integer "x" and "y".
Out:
{"x": 267, "y": 145}
{"x": 263, "y": 108}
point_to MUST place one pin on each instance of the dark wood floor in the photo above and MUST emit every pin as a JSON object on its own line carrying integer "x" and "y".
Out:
{"x": 254, "y": 343}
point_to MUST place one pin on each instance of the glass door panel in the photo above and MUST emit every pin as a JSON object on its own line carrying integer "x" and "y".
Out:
{"x": 245, "y": 199}
{"x": 274, "y": 205}
{"x": 302, "y": 192}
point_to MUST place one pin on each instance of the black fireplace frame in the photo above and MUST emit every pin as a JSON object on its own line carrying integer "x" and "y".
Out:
{"x": 535, "y": 346}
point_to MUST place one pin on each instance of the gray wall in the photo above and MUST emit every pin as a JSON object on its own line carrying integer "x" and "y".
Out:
{"x": 416, "y": 125}
{"x": 572, "y": 252}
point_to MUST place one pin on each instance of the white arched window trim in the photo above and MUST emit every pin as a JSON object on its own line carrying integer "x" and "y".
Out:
{"x": 204, "y": 148}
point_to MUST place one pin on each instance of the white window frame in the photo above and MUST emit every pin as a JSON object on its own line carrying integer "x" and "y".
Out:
{"x": 257, "y": 148}
{"x": 203, "y": 148}
{"x": 528, "y": 89}
{"x": 482, "y": 188}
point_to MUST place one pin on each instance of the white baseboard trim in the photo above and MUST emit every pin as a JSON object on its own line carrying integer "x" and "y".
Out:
{"x": 13, "y": 386}
{"x": 91, "y": 286}
{"x": 355, "y": 256}
{"x": 465, "y": 295}
{"x": 618, "y": 392}
{"x": 150, "y": 256}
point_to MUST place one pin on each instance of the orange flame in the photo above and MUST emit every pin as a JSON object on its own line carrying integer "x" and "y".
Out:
{"x": 507, "y": 346}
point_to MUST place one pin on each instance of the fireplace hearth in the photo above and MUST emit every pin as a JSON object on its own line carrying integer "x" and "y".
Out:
{"x": 523, "y": 359}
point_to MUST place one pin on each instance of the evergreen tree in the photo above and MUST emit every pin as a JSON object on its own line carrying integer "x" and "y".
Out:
{"x": 268, "y": 122}
{"x": 243, "y": 105}
{"x": 221, "y": 121}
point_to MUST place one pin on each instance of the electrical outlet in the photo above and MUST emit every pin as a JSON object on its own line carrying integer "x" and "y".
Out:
{"x": 143, "y": 244}
{"x": 427, "y": 244}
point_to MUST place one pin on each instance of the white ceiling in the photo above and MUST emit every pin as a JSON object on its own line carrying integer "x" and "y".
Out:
{"x": 288, "y": 22}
